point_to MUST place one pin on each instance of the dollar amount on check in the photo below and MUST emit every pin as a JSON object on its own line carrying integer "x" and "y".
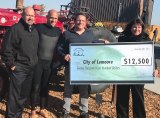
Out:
{"x": 141, "y": 61}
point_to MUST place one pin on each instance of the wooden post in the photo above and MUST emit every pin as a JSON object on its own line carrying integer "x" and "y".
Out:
{"x": 140, "y": 7}
{"x": 114, "y": 94}
{"x": 19, "y": 4}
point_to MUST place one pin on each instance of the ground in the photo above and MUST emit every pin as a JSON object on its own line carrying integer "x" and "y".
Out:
{"x": 152, "y": 104}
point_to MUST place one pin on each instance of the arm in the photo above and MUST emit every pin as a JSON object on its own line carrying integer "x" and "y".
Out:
{"x": 156, "y": 70}
{"x": 8, "y": 49}
{"x": 62, "y": 47}
{"x": 156, "y": 57}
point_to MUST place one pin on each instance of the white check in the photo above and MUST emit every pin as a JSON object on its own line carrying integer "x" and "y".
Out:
{"x": 116, "y": 63}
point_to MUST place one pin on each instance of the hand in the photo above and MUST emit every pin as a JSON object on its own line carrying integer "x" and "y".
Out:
{"x": 67, "y": 57}
{"x": 105, "y": 41}
{"x": 13, "y": 68}
{"x": 156, "y": 73}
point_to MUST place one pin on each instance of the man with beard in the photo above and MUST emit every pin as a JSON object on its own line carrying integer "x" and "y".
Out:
{"x": 19, "y": 52}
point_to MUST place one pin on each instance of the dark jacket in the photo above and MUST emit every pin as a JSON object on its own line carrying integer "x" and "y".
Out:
{"x": 72, "y": 37}
{"x": 131, "y": 38}
{"x": 20, "y": 45}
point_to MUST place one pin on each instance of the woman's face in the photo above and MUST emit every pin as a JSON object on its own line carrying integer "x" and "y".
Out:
{"x": 136, "y": 29}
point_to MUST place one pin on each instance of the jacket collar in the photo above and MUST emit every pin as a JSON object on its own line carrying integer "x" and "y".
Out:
{"x": 26, "y": 26}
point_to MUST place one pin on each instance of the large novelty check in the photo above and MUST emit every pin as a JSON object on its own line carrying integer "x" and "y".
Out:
{"x": 116, "y": 63}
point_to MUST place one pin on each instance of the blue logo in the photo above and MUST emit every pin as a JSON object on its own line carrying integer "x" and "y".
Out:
{"x": 78, "y": 52}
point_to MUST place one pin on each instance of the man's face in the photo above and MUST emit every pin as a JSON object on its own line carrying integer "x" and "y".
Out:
{"x": 80, "y": 22}
{"x": 52, "y": 18}
{"x": 71, "y": 24}
{"x": 28, "y": 16}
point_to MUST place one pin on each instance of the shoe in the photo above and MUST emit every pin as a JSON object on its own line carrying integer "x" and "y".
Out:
{"x": 64, "y": 114}
{"x": 84, "y": 115}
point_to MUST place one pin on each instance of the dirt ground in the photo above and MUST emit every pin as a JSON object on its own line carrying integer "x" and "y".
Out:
{"x": 55, "y": 102}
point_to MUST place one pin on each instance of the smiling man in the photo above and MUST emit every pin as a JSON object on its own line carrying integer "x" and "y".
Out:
{"x": 19, "y": 52}
{"x": 48, "y": 38}
{"x": 79, "y": 34}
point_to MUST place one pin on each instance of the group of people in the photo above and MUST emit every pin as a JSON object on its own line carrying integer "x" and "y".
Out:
{"x": 28, "y": 52}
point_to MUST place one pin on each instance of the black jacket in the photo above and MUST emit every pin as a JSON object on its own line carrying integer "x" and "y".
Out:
{"x": 20, "y": 45}
{"x": 131, "y": 38}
